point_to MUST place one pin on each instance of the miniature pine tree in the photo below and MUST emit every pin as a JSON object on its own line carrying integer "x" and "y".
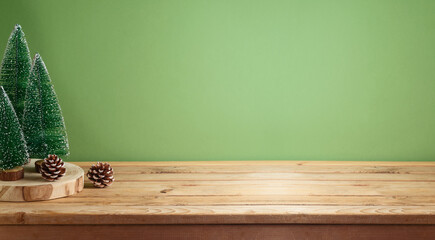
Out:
{"x": 43, "y": 124}
{"x": 15, "y": 69}
{"x": 13, "y": 152}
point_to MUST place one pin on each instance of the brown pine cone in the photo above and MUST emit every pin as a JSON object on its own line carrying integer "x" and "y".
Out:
{"x": 52, "y": 168}
{"x": 101, "y": 175}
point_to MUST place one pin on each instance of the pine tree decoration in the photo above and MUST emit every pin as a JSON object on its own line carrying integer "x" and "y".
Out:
{"x": 13, "y": 152}
{"x": 15, "y": 69}
{"x": 43, "y": 124}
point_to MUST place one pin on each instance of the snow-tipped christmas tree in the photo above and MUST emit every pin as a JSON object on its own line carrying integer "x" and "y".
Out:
{"x": 15, "y": 69}
{"x": 43, "y": 124}
{"x": 13, "y": 152}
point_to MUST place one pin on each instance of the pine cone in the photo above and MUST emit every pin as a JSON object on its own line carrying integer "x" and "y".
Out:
{"x": 101, "y": 175}
{"x": 52, "y": 168}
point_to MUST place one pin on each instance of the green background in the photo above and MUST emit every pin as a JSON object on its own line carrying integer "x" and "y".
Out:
{"x": 238, "y": 80}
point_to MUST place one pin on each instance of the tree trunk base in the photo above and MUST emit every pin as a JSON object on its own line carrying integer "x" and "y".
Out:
{"x": 38, "y": 166}
{"x": 13, "y": 174}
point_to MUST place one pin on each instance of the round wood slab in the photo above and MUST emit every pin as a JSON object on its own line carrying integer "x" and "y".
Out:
{"x": 34, "y": 188}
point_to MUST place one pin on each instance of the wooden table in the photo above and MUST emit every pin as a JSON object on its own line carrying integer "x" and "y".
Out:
{"x": 239, "y": 200}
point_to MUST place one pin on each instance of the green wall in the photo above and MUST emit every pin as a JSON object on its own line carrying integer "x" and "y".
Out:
{"x": 233, "y": 79}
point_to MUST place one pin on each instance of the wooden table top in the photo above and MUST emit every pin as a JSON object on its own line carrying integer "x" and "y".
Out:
{"x": 245, "y": 192}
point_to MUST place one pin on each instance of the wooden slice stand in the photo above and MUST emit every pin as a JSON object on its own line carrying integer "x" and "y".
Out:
{"x": 34, "y": 188}
{"x": 12, "y": 174}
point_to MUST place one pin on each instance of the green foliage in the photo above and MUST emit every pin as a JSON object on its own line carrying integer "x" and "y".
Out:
{"x": 13, "y": 152}
{"x": 43, "y": 124}
{"x": 15, "y": 69}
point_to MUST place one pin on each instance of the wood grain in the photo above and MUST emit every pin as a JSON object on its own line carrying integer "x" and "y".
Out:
{"x": 218, "y": 232}
{"x": 34, "y": 188}
{"x": 245, "y": 192}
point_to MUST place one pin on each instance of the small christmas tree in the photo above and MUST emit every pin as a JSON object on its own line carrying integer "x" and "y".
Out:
{"x": 15, "y": 69}
{"x": 13, "y": 152}
{"x": 43, "y": 124}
